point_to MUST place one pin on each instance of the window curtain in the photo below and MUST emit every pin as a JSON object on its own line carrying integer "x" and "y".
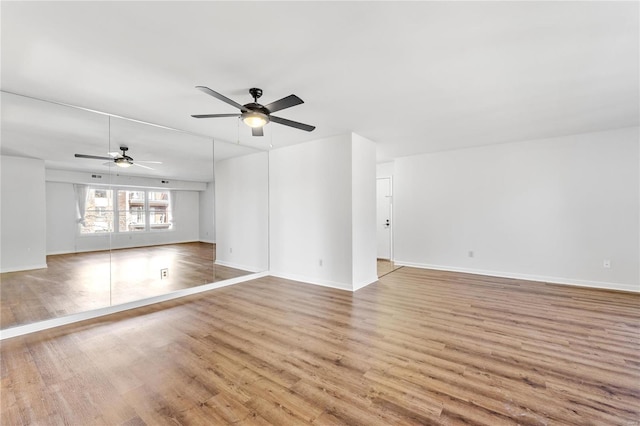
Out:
{"x": 81, "y": 192}
{"x": 172, "y": 206}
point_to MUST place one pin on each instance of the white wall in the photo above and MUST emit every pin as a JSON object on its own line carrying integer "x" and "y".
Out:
{"x": 115, "y": 179}
{"x": 385, "y": 169}
{"x": 363, "y": 216}
{"x": 310, "y": 212}
{"x": 207, "y": 227}
{"x": 62, "y": 219}
{"x": 63, "y": 236}
{"x": 312, "y": 216}
{"x": 549, "y": 210}
{"x": 22, "y": 214}
{"x": 242, "y": 212}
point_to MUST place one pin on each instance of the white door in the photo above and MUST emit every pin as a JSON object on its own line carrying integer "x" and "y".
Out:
{"x": 384, "y": 218}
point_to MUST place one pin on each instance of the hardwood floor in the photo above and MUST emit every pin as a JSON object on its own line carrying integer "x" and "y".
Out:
{"x": 417, "y": 347}
{"x": 385, "y": 267}
{"x": 83, "y": 281}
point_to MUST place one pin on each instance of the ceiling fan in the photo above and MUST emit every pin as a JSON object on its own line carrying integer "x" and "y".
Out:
{"x": 119, "y": 159}
{"x": 255, "y": 115}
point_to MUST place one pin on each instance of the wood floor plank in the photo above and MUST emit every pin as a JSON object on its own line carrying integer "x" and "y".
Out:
{"x": 417, "y": 347}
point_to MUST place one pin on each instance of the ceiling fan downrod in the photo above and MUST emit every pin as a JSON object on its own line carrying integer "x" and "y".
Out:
{"x": 256, "y": 93}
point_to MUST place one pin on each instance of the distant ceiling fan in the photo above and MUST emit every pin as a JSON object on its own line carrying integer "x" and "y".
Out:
{"x": 120, "y": 160}
{"x": 255, "y": 115}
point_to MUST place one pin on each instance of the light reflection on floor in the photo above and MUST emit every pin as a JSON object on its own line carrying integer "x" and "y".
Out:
{"x": 79, "y": 282}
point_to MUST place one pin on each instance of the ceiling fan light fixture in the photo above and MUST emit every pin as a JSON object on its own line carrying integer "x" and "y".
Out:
{"x": 255, "y": 119}
{"x": 123, "y": 162}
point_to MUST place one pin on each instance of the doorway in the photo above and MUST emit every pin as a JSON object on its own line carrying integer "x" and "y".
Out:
{"x": 384, "y": 225}
{"x": 383, "y": 215}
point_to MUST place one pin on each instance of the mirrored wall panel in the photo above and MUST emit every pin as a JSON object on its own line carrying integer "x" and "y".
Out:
{"x": 98, "y": 210}
{"x": 38, "y": 220}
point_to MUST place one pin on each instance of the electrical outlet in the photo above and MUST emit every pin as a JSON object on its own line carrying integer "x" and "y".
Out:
{"x": 164, "y": 273}
{"x": 230, "y": 250}
{"x": 471, "y": 254}
{"x": 606, "y": 264}
{"x": 320, "y": 262}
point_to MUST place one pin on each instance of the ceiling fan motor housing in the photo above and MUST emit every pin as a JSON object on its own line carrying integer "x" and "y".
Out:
{"x": 255, "y": 107}
{"x": 124, "y": 159}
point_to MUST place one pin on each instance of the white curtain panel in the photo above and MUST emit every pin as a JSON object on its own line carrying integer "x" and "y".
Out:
{"x": 172, "y": 206}
{"x": 81, "y": 192}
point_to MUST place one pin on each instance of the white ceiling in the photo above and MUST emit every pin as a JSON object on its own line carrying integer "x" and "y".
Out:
{"x": 414, "y": 77}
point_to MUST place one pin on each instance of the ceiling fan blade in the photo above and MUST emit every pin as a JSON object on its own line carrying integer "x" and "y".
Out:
{"x": 95, "y": 157}
{"x": 221, "y": 97}
{"x": 286, "y": 102}
{"x": 257, "y": 131}
{"x": 291, "y": 123}
{"x": 149, "y": 162}
{"x": 114, "y": 154}
{"x": 144, "y": 167}
{"x": 214, "y": 115}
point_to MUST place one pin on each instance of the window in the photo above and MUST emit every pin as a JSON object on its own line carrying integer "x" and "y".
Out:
{"x": 98, "y": 215}
{"x": 131, "y": 211}
{"x": 136, "y": 210}
{"x": 159, "y": 210}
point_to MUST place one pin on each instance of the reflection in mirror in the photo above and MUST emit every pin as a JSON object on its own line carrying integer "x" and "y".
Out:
{"x": 39, "y": 221}
{"x": 84, "y": 232}
{"x": 163, "y": 212}
{"x": 156, "y": 178}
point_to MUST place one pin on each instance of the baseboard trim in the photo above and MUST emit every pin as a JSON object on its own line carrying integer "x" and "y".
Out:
{"x": 314, "y": 281}
{"x": 364, "y": 283}
{"x": 96, "y": 313}
{"x": 92, "y": 250}
{"x": 324, "y": 283}
{"x": 24, "y": 268}
{"x": 528, "y": 277}
{"x": 237, "y": 266}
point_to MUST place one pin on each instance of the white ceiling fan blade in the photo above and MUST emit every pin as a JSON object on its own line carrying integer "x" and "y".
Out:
{"x": 144, "y": 167}
{"x": 149, "y": 162}
{"x": 109, "y": 163}
{"x": 114, "y": 154}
